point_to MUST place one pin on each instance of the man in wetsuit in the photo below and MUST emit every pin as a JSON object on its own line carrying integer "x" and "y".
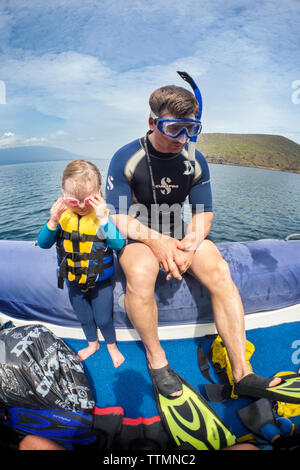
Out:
{"x": 148, "y": 181}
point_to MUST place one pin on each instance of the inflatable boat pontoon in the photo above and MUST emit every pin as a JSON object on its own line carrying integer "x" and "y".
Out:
{"x": 266, "y": 272}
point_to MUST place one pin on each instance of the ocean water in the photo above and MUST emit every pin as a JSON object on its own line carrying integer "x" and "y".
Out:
{"x": 249, "y": 203}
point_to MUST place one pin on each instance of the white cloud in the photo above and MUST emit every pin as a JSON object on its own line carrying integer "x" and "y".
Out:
{"x": 94, "y": 64}
{"x": 76, "y": 78}
{"x": 8, "y": 139}
{"x": 34, "y": 140}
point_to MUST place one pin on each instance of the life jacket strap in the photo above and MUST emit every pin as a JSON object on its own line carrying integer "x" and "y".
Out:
{"x": 75, "y": 236}
{"x": 77, "y": 256}
{"x": 216, "y": 392}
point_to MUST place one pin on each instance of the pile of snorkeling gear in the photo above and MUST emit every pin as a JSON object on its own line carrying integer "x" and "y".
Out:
{"x": 192, "y": 423}
{"x": 268, "y": 417}
{"x": 287, "y": 391}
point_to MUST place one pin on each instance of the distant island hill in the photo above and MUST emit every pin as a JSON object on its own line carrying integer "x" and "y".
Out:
{"x": 271, "y": 152}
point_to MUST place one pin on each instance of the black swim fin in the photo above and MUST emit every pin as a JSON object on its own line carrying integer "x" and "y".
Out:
{"x": 288, "y": 391}
{"x": 257, "y": 415}
{"x": 191, "y": 421}
{"x": 260, "y": 419}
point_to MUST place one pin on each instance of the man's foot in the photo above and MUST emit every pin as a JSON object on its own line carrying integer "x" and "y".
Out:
{"x": 272, "y": 383}
{"x": 158, "y": 362}
{"x": 115, "y": 354}
{"x": 275, "y": 381}
{"x": 93, "y": 346}
{"x": 166, "y": 381}
{"x": 287, "y": 390}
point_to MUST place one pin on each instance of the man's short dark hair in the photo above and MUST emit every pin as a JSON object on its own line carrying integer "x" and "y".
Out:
{"x": 179, "y": 101}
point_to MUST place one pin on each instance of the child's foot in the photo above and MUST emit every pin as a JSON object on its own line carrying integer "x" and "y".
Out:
{"x": 115, "y": 354}
{"x": 87, "y": 352}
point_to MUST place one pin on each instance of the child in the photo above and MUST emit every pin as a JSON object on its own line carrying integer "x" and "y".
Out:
{"x": 85, "y": 237}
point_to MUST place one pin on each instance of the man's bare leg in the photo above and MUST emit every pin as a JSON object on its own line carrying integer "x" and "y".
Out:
{"x": 141, "y": 268}
{"x": 31, "y": 442}
{"x": 212, "y": 270}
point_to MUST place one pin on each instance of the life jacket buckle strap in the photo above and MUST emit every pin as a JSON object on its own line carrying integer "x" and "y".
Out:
{"x": 75, "y": 236}
{"x": 76, "y": 270}
{"x": 72, "y": 256}
{"x": 77, "y": 256}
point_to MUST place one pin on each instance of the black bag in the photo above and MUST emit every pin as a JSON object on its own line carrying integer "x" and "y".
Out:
{"x": 38, "y": 370}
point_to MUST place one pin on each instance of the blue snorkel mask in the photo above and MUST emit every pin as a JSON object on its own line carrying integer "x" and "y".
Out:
{"x": 176, "y": 127}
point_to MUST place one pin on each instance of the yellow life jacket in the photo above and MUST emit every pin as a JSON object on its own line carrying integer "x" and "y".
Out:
{"x": 83, "y": 255}
{"x": 219, "y": 357}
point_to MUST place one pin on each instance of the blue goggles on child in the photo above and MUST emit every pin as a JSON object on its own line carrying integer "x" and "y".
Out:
{"x": 175, "y": 127}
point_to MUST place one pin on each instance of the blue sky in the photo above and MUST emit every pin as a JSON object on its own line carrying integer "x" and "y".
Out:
{"x": 78, "y": 73}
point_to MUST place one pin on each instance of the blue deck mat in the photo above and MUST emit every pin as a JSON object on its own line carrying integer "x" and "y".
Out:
{"x": 277, "y": 349}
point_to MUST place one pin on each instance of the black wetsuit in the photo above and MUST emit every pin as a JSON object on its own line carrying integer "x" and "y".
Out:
{"x": 129, "y": 187}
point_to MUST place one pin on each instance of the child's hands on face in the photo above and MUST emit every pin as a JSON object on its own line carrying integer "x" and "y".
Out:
{"x": 99, "y": 205}
{"x": 56, "y": 212}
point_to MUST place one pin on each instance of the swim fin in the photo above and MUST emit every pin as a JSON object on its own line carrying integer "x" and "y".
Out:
{"x": 190, "y": 421}
{"x": 259, "y": 418}
{"x": 255, "y": 386}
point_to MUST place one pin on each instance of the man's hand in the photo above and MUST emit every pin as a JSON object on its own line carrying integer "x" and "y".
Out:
{"x": 174, "y": 256}
{"x": 187, "y": 246}
{"x": 169, "y": 256}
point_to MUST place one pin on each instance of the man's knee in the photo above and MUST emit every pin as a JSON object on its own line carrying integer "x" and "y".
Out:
{"x": 141, "y": 279}
{"x": 141, "y": 271}
{"x": 218, "y": 273}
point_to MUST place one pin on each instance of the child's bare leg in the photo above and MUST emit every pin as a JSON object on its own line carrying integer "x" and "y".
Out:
{"x": 115, "y": 354}
{"x": 87, "y": 352}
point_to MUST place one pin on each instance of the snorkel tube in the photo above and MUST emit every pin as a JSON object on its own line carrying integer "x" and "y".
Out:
{"x": 192, "y": 142}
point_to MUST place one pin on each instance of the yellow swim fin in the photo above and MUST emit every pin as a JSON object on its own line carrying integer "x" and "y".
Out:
{"x": 190, "y": 420}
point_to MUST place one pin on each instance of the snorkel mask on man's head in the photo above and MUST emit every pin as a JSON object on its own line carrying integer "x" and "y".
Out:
{"x": 176, "y": 127}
